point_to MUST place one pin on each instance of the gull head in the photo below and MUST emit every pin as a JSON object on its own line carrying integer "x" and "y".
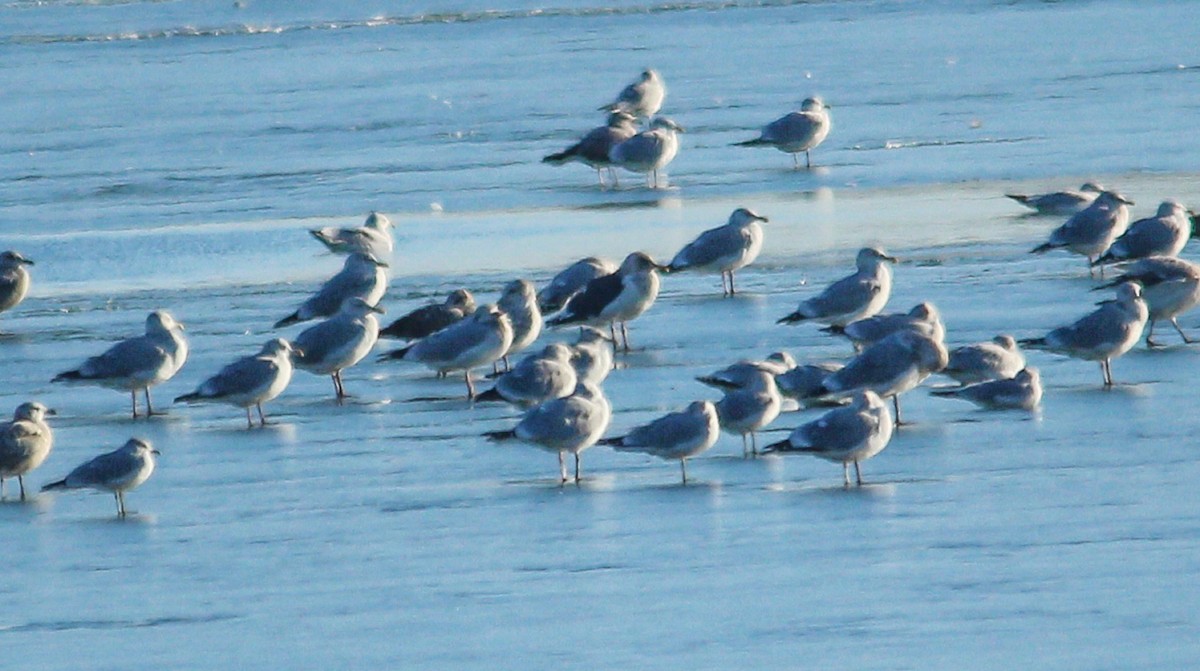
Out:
{"x": 32, "y": 411}
{"x": 638, "y": 262}
{"x": 813, "y": 104}
{"x": 160, "y": 321}
{"x": 743, "y": 215}
{"x": 11, "y": 259}
{"x": 666, "y": 123}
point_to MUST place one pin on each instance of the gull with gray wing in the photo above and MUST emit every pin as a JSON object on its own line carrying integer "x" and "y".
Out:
{"x": 25, "y": 442}
{"x": 1102, "y": 335}
{"x": 362, "y": 276}
{"x": 848, "y": 435}
{"x": 339, "y": 342}
{"x": 796, "y": 132}
{"x": 250, "y": 381}
{"x": 373, "y": 238}
{"x": 118, "y": 471}
{"x": 724, "y": 249}
{"x": 851, "y": 298}
{"x": 677, "y": 435}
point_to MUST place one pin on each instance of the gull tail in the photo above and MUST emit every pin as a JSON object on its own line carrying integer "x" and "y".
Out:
{"x": 1106, "y": 258}
{"x": 57, "y": 484}
{"x": 489, "y": 395}
{"x": 293, "y": 318}
{"x": 616, "y": 443}
{"x": 69, "y": 376}
{"x": 325, "y": 239}
{"x": 792, "y": 318}
{"x": 559, "y": 158}
{"x": 1022, "y": 199}
{"x": 835, "y": 329}
{"x": 499, "y": 436}
{"x": 945, "y": 393}
{"x": 781, "y": 446}
{"x": 1032, "y": 342}
{"x": 716, "y": 382}
{"x": 1043, "y": 248}
{"x": 394, "y": 354}
{"x": 756, "y": 142}
{"x": 561, "y": 320}
{"x": 188, "y": 398}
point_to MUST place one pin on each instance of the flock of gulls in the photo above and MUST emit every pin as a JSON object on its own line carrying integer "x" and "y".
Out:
{"x": 559, "y": 387}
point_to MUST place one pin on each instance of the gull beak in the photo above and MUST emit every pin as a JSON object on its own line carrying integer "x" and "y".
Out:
{"x": 28, "y": 262}
{"x": 378, "y": 310}
{"x": 51, "y": 412}
{"x": 155, "y": 452}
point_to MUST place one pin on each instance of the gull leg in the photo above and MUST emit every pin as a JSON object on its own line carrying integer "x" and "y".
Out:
{"x": 612, "y": 332}
{"x": 2, "y": 495}
{"x": 745, "y": 447}
{"x": 576, "y": 468}
{"x": 262, "y": 418}
{"x": 1181, "y": 333}
{"x": 133, "y": 397}
{"x": 1106, "y": 369}
{"x": 506, "y": 366}
{"x": 807, "y": 159}
{"x": 470, "y": 385}
{"x": 612, "y": 172}
{"x": 337, "y": 388}
{"x": 795, "y": 161}
{"x": 562, "y": 468}
{"x": 732, "y": 291}
{"x": 21, "y": 482}
{"x": 1150, "y": 334}
{"x": 857, "y": 474}
{"x": 625, "y": 336}
{"x": 120, "y": 504}
{"x": 149, "y": 408}
{"x": 845, "y": 474}
{"x": 600, "y": 174}
{"x": 896, "y": 405}
{"x": 249, "y": 422}
{"x": 683, "y": 469}
{"x": 753, "y": 445}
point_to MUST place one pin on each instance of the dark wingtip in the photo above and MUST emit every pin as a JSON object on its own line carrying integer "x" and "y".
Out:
{"x": 611, "y": 442}
{"x": 790, "y": 319}
{"x": 394, "y": 354}
{"x": 489, "y": 395}
{"x": 781, "y": 446}
{"x": 1041, "y": 248}
{"x": 186, "y": 398}
{"x": 497, "y": 436}
{"x": 293, "y": 318}
{"x": 835, "y": 329}
{"x": 57, "y": 484}
{"x": 68, "y": 376}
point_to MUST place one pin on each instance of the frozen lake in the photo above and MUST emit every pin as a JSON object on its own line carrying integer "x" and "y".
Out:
{"x": 170, "y": 155}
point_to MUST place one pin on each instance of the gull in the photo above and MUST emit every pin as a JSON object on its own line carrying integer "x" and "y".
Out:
{"x": 563, "y": 425}
{"x": 118, "y": 471}
{"x": 593, "y": 149}
{"x": 890, "y": 367}
{"x": 1090, "y": 231}
{"x": 249, "y": 381}
{"x": 519, "y": 302}
{"x": 742, "y": 373}
{"x": 431, "y": 318}
{"x": 642, "y": 98}
{"x": 362, "y": 275}
{"x": 1170, "y": 287}
{"x": 14, "y": 279}
{"x": 850, "y": 434}
{"x": 1102, "y": 335}
{"x": 1060, "y": 202}
{"x": 25, "y": 443}
{"x": 796, "y": 132}
{"x": 571, "y": 281}
{"x": 853, "y": 297}
{"x": 649, "y": 151}
{"x": 617, "y": 297}
{"x": 677, "y": 435}
{"x": 997, "y": 359}
{"x": 592, "y": 355}
{"x": 137, "y": 363}
{"x": 924, "y": 317}
{"x": 803, "y": 382}
{"x": 374, "y": 237}
{"x": 724, "y": 249}
{"x": 1022, "y": 391}
{"x": 1164, "y": 234}
{"x": 537, "y": 378}
{"x": 339, "y": 342}
{"x": 745, "y": 410}
{"x": 476, "y": 341}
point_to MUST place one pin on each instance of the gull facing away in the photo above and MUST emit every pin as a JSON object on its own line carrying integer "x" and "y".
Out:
{"x": 642, "y": 98}
{"x": 850, "y": 434}
{"x": 14, "y": 279}
{"x": 362, "y": 276}
{"x": 563, "y": 425}
{"x": 1103, "y": 335}
{"x": 519, "y": 302}
{"x": 137, "y": 363}
{"x": 476, "y": 341}
{"x": 1060, "y": 202}
{"x": 851, "y": 298}
{"x": 677, "y": 435}
{"x": 924, "y": 318}
{"x": 1164, "y": 234}
{"x": 740, "y": 374}
{"x": 249, "y": 381}
{"x": 745, "y": 410}
{"x": 1092, "y": 230}
{"x": 997, "y": 359}
{"x": 890, "y": 367}
{"x": 724, "y": 249}
{"x": 592, "y": 355}
{"x": 25, "y": 443}
{"x": 373, "y": 238}
{"x": 571, "y": 281}
{"x": 649, "y": 151}
{"x": 339, "y": 342}
{"x": 537, "y": 378}
{"x": 431, "y": 318}
{"x": 118, "y": 471}
{"x": 593, "y": 149}
{"x": 1022, "y": 391}
{"x": 1170, "y": 287}
{"x": 618, "y": 297}
{"x": 796, "y": 132}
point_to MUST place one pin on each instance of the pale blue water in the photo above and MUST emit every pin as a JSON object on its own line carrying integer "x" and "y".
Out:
{"x": 171, "y": 154}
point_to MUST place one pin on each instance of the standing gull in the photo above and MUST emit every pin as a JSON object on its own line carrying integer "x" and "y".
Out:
{"x": 339, "y": 342}
{"x": 649, "y": 151}
{"x": 796, "y": 132}
{"x": 14, "y": 279}
{"x": 361, "y": 276}
{"x": 1102, "y": 335}
{"x": 850, "y": 435}
{"x": 250, "y": 381}
{"x": 374, "y": 237}
{"x": 740, "y": 374}
{"x": 853, "y": 297}
{"x": 1090, "y": 231}
{"x": 1022, "y": 391}
{"x": 1170, "y": 287}
{"x": 1164, "y": 234}
{"x": 890, "y": 367}
{"x": 678, "y": 435}
{"x": 571, "y": 281}
{"x": 924, "y": 318}
{"x": 25, "y": 443}
{"x": 724, "y": 249}
{"x": 642, "y": 98}
{"x": 745, "y": 410}
{"x": 479, "y": 340}
{"x": 431, "y": 318}
{"x": 519, "y": 302}
{"x": 537, "y": 378}
{"x": 617, "y": 297}
{"x": 592, "y": 355}
{"x": 997, "y": 359}
{"x": 564, "y": 425}
{"x": 1060, "y": 202}
{"x": 118, "y": 471}
{"x": 137, "y": 363}
{"x": 593, "y": 149}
